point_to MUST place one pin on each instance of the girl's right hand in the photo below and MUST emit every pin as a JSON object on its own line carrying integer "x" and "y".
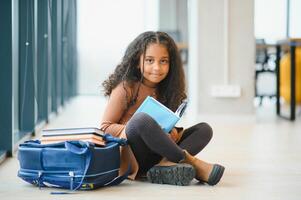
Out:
{"x": 174, "y": 135}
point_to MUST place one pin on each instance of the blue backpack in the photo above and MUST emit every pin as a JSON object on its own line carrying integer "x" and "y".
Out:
{"x": 74, "y": 165}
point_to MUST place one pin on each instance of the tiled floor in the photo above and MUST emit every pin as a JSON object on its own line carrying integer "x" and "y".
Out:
{"x": 261, "y": 155}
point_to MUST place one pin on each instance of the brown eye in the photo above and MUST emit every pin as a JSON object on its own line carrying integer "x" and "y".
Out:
{"x": 164, "y": 62}
{"x": 149, "y": 61}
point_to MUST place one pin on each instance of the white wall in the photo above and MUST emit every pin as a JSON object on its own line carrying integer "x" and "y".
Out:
{"x": 105, "y": 28}
{"x": 295, "y": 19}
{"x": 271, "y": 19}
{"x": 173, "y": 16}
{"x": 168, "y": 15}
{"x": 206, "y": 55}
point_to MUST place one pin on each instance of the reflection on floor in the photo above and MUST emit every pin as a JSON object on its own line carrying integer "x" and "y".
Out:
{"x": 261, "y": 155}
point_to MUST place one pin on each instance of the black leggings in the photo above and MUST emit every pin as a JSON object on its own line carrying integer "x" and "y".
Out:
{"x": 149, "y": 143}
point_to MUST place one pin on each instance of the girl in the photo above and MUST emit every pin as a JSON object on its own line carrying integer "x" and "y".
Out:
{"x": 152, "y": 66}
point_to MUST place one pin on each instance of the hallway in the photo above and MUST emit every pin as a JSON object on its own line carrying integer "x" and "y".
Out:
{"x": 261, "y": 157}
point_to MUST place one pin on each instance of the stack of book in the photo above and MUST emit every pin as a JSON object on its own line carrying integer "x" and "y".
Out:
{"x": 93, "y": 135}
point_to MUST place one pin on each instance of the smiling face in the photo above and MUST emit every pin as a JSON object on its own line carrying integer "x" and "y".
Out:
{"x": 156, "y": 64}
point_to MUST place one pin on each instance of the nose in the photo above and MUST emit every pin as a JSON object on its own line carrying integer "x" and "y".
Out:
{"x": 157, "y": 66}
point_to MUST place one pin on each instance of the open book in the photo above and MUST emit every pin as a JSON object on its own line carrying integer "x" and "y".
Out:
{"x": 165, "y": 117}
{"x": 89, "y": 134}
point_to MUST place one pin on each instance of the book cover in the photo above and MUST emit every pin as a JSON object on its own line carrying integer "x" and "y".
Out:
{"x": 85, "y": 134}
{"x": 72, "y": 131}
{"x": 97, "y": 142}
{"x": 165, "y": 117}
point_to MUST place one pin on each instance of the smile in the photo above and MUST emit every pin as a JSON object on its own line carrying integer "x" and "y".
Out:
{"x": 155, "y": 74}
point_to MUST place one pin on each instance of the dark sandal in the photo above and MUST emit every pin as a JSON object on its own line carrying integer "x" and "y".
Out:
{"x": 179, "y": 174}
{"x": 216, "y": 174}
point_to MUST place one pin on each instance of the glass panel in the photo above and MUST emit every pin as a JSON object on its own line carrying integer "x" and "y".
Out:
{"x": 52, "y": 19}
{"x": 42, "y": 60}
{"x": 5, "y": 77}
{"x": 26, "y": 68}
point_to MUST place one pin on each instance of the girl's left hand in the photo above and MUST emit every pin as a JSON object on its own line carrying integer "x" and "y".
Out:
{"x": 174, "y": 135}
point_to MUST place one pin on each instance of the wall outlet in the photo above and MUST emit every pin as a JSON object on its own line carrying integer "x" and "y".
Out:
{"x": 226, "y": 91}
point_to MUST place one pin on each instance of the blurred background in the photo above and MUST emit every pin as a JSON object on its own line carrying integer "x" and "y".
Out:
{"x": 242, "y": 60}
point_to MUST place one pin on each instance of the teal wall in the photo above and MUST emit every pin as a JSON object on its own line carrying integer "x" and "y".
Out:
{"x": 38, "y": 64}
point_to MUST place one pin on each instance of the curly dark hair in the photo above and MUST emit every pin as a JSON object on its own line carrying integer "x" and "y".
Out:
{"x": 170, "y": 91}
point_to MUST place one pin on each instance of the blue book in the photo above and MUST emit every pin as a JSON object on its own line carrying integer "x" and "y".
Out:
{"x": 165, "y": 117}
